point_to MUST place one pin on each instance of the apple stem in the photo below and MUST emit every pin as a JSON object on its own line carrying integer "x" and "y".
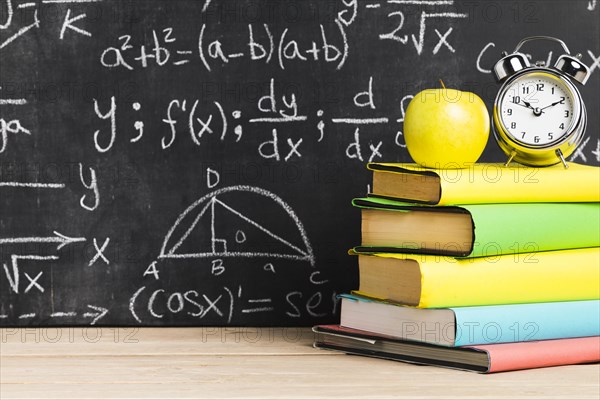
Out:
{"x": 442, "y": 82}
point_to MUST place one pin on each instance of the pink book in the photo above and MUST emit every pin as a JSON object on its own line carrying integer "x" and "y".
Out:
{"x": 545, "y": 353}
{"x": 483, "y": 358}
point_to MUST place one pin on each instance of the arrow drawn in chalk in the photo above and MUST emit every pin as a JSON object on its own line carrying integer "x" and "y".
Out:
{"x": 59, "y": 238}
{"x": 98, "y": 315}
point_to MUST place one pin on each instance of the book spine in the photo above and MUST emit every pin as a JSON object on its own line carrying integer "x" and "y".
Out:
{"x": 485, "y": 183}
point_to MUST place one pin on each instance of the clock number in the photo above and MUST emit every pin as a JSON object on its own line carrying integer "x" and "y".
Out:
{"x": 525, "y": 89}
{"x": 523, "y": 136}
{"x": 550, "y": 136}
{"x": 561, "y": 126}
{"x": 562, "y": 100}
{"x": 540, "y": 87}
{"x": 513, "y": 125}
{"x": 567, "y": 114}
{"x": 509, "y": 111}
{"x": 516, "y": 99}
{"x": 552, "y": 91}
{"x": 536, "y": 139}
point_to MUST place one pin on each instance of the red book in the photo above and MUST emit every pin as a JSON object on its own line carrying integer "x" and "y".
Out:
{"x": 484, "y": 358}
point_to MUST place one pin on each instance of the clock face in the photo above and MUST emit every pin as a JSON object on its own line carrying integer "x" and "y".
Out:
{"x": 537, "y": 109}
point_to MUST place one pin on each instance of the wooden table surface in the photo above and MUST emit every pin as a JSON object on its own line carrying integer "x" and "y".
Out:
{"x": 240, "y": 363}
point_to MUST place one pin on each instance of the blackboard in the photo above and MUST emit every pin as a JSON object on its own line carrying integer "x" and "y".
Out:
{"x": 192, "y": 162}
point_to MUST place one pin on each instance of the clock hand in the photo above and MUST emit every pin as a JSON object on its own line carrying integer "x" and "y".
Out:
{"x": 552, "y": 105}
{"x": 528, "y": 105}
{"x": 536, "y": 111}
{"x": 522, "y": 105}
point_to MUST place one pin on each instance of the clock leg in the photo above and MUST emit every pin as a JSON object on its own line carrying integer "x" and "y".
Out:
{"x": 510, "y": 158}
{"x": 562, "y": 158}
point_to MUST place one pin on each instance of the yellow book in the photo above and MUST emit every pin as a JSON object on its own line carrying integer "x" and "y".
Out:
{"x": 486, "y": 183}
{"x": 427, "y": 281}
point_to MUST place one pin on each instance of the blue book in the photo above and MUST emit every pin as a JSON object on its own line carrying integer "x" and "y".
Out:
{"x": 464, "y": 326}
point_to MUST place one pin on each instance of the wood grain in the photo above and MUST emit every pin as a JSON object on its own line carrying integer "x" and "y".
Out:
{"x": 220, "y": 363}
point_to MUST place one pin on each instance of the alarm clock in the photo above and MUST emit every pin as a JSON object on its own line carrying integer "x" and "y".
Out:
{"x": 539, "y": 116}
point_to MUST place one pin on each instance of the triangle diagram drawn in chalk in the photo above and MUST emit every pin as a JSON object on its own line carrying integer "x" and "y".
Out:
{"x": 220, "y": 230}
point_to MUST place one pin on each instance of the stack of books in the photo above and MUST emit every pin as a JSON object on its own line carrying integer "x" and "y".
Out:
{"x": 487, "y": 269}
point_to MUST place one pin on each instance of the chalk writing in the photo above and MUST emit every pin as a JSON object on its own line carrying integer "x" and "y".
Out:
{"x": 93, "y": 186}
{"x": 112, "y": 116}
{"x": 191, "y": 303}
{"x": 13, "y": 275}
{"x": 95, "y": 314}
{"x": 187, "y": 118}
{"x": 327, "y": 47}
{"x": 100, "y": 250}
{"x": 59, "y": 238}
{"x": 13, "y": 126}
{"x": 33, "y": 185}
{"x": 206, "y": 206}
{"x": 398, "y": 21}
{"x": 32, "y": 20}
{"x": 223, "y": 305}
{"x": 191, "y": 148}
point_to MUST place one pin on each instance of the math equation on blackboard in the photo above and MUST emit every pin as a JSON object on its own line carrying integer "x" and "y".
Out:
{"x": 192, "y": 162}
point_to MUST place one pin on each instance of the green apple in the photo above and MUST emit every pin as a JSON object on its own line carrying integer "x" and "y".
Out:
{"x": 446, "y": 128}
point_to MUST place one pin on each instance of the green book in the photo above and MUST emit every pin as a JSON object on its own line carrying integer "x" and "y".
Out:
{"x": 480, "y": 230}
